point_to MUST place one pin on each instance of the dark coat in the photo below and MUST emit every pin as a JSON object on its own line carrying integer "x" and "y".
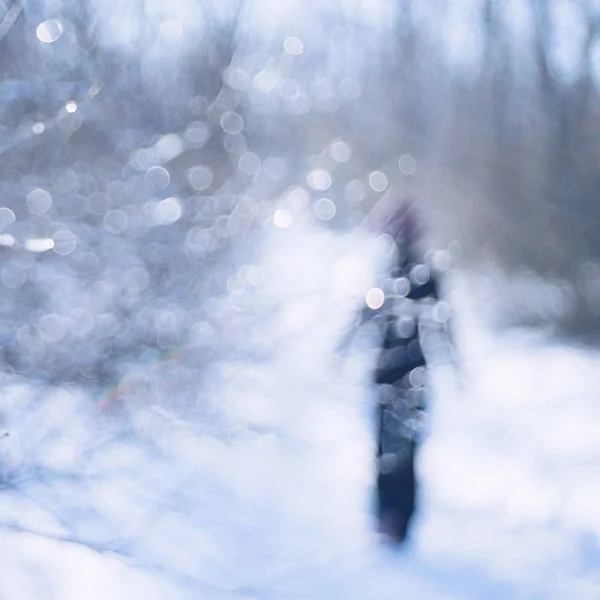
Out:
{"x": 400, "y": 379}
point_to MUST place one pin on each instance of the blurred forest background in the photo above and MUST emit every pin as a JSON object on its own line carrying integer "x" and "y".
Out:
{"x": 190, "y": 197}
{"x": 145, "y": 145}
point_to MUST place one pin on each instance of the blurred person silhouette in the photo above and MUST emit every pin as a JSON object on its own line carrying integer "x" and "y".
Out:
{"x": 408, "y": 322}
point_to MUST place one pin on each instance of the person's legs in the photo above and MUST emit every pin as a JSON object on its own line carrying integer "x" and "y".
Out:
{"x": 396, "y": 483}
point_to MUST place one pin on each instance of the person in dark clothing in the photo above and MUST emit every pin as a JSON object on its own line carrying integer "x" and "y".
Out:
{"x": 400, "y": 377}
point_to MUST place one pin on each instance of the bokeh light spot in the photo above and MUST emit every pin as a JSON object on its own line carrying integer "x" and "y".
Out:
{"x": 197, "y": 133}
{"x": 407, "y": 164}
{"x": 115, "y": 221}
{"x": 249, "y": 163}
{"x": 375, "y": 298}
{"x": 325, "y": 209}
{"x": 282, "y": 218}
{"x": 7, "y": 217}
{"x": 169, "y": 147}
{"x": 168, "y": 338}
{"x": 420, "y": 274}
{"x": 378, "y": 181}
{"x": 340, "y": 151}
{"x": 200, "y": 178}
{"x": 402, "y": 287}
{"x": 319, "y": 179}
{"x": 158, "y": 177}
{"x": 52, "y": 327}
{"x": 168, "y": 211}
{"x": 293, "y": 46}
{"x": 231, "y": 122}
{"x": 7, "y": 240}
{"x": 238, "y": 79}
{"x": 39, "y": 244}
{"x": 39, "y": 201}
{"x": 13, "y": 278}
{"x": 49, "y": 31}
{"x": 202, "y": 334}
{"x": 442, "y": 260}
{"x": 355, "y": 192}
{"x": 64, "y": 242}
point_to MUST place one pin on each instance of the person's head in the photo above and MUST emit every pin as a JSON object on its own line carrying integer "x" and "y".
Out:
{"x": 402, "y": 222}
{"x": 404, "y": 226}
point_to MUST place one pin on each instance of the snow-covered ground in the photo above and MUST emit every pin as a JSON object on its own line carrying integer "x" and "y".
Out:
{"x": 260, "y": 488}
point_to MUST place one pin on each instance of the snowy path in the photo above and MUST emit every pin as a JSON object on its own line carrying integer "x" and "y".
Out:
{"x": 261, "y": 490}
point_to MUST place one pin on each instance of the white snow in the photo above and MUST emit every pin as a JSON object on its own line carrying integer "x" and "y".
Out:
{"x": 260, "y": 487}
